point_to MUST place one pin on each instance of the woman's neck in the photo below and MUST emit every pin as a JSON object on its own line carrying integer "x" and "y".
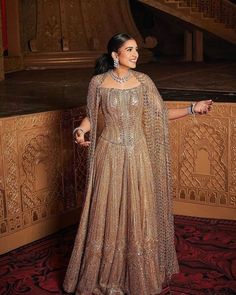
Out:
{"x": 121, "y": 72}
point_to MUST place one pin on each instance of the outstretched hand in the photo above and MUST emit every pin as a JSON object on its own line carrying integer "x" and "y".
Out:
{"x": 203, "y": 106}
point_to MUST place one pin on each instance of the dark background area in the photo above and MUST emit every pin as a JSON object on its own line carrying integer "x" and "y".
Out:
{"x": 169, "y": 32}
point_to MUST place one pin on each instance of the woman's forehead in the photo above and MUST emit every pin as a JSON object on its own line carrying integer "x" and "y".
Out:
{"x": 129, "y": 43}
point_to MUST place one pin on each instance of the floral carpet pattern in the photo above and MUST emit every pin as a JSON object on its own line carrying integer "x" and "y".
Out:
{"x": 206, "y": 251}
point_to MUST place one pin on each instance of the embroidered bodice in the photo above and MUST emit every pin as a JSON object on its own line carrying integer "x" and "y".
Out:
{"x": 122, "y": 110}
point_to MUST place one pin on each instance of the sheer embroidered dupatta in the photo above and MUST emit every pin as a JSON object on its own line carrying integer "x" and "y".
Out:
{"x": 73, "y": 270}
{"x": 156, "y": 128}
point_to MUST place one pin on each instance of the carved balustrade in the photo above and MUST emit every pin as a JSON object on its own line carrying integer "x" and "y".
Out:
{"x": 223, "y": 11}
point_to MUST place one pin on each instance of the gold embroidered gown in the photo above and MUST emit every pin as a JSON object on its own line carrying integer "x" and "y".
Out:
{"x": 120, "y": 253}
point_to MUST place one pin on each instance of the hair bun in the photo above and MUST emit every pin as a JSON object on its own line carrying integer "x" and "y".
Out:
{"x": 103, "y": 64}
{"x": 106, "y": 55}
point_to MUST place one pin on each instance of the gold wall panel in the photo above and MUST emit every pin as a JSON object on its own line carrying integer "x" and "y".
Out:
{"x": 42, "y": 171}
{"x": 42, "y": 175}
{"x": 62, "y": 33}
{"x": 204, "y": 169}
{"x": 28, "y": 12}
{"x": 74, "y": 25}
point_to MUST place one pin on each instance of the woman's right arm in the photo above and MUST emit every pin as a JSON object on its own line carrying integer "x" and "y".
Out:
{"x": 80, "y": 131}
{"x": 85, "y": 125}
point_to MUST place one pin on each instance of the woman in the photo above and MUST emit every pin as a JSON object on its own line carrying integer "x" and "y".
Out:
{"x": 125, "y": 240}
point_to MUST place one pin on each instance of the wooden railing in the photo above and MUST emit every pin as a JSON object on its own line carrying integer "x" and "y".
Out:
{"x": 222, "y": 11}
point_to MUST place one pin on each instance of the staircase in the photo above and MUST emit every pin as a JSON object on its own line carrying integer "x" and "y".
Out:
{"x": 215, "y": 16}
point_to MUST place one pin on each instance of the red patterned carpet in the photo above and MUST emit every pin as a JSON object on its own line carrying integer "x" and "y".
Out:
{"x": 206, "y": 252}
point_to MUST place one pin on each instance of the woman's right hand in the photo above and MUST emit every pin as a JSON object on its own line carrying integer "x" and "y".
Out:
{"x": 79, "y": 138}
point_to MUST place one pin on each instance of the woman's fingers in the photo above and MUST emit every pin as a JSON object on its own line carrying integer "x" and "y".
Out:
{"x": 82, "y": 142}
{"x": 204, "y": 106}
{"x": 85, "y": 143}
{"x": 79, "y": 139}
{"x": 209, "y": 101}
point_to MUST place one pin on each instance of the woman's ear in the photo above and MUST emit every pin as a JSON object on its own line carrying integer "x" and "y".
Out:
{"x": 114, "y": 55}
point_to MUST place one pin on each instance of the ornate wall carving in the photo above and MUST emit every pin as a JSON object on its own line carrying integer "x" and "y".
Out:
{"x": 73, "y": 25}
{"x": 42, "y": 171}
{"x": 28, "y": 23}
{"x": 203, "y": 156}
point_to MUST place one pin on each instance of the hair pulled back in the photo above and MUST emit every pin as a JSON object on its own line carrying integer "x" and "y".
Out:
{"x": 105, "y": 61}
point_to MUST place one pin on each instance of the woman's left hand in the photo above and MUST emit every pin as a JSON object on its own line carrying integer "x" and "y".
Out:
{"x": 203, "y": 107}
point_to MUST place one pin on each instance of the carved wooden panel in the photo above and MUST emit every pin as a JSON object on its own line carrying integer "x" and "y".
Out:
{"x": 204, "y": 148}
{"x": 74, "y": 33}
{"x": 38, "y": 160}
{"x": 74, "y": 25}
{"x": 49, "y": 29}
{"x": 28, "y": 12}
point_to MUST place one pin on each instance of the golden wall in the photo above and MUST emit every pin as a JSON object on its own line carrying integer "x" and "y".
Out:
{"x": 204, "y": 163}
{"x": 42, "y": 171}
{"x": 66, "y": 33}
{"x": 42, "y": 175}
{"x": 60, "y": 33}
{"x": 73, "y": 25}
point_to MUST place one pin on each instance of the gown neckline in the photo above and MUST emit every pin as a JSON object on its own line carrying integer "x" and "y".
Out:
{"x": 123, "y": 89}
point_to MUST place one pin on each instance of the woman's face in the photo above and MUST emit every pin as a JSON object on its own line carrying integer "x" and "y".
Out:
{"x": 128, "y": 54}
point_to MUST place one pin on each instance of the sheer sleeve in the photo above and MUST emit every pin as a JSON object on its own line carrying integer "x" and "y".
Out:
{"x": 91, "y": 96}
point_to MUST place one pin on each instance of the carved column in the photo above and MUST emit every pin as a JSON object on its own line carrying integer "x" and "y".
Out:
{"x": 188, "y": 45}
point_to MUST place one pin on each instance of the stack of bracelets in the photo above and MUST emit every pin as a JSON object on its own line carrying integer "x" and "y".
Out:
{"x": 191, "y": 109}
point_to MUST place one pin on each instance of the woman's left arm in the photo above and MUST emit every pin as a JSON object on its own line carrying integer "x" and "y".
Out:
{"x": 200, "y": 108}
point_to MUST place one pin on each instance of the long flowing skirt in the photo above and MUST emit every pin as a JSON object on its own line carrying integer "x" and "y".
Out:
{"x": 121, "y": 248}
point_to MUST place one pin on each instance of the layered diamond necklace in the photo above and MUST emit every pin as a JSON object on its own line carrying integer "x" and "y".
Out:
{"x": 120, "y": 79}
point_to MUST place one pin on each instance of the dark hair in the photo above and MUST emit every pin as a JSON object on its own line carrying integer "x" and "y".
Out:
{"x": 105, "y": 61}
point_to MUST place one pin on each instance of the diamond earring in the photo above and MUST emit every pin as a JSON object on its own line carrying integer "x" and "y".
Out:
{"x": 116, "y": 63}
